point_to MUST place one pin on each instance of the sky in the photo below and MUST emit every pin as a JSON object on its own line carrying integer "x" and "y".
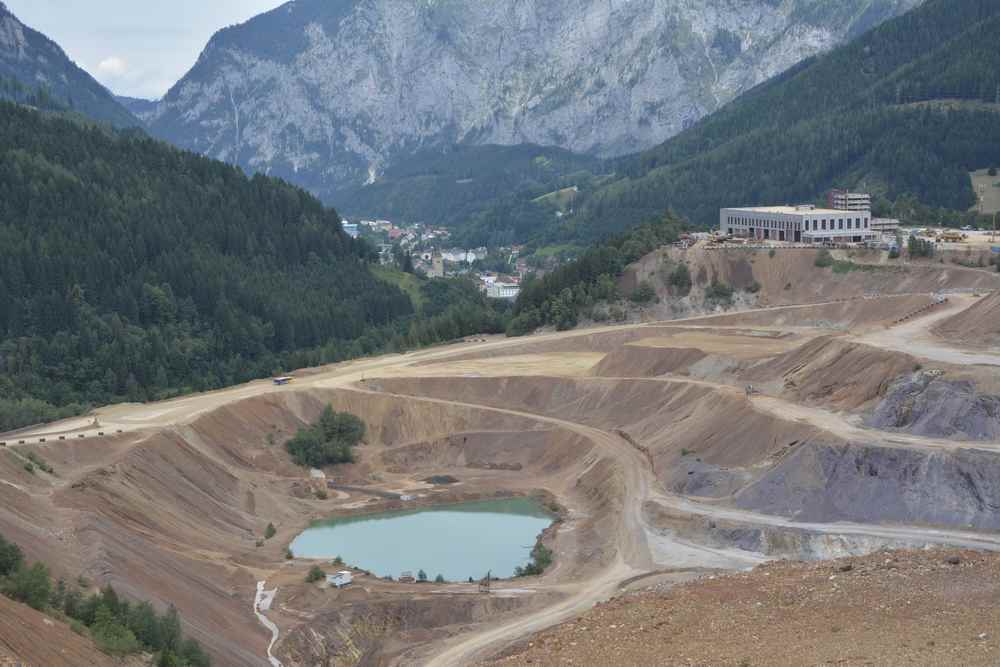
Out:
{"x": 135, "y": 47}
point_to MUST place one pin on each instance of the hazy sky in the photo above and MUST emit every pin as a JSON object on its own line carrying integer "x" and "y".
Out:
{"x": 135, "y": 47}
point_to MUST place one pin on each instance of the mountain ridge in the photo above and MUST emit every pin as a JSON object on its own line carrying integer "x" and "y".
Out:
{"x": 329, "y": 95}
{"x": 905, "y": 111}
{"x": 40, "y": 65}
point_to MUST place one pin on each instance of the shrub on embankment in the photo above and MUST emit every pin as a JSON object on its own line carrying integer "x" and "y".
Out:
{"x": 117, "y": 626}
{"x": 331, "y": 440}
{"x": 541, "y": 558}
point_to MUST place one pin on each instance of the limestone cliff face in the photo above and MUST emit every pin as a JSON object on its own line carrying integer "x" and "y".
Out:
{"x": 328, "y": 92}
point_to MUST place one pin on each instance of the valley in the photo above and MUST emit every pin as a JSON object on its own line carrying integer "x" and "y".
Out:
{"x": 666, "y": 332}
{"x": 642, "y": 437}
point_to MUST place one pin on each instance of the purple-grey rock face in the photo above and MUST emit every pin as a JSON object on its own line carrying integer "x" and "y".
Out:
{"x": 329, "y": 92}
{"x": 923, "y": 404}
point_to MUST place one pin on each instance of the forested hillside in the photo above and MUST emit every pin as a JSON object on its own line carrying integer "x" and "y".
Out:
{"x": 130, "y": 270}
{"x": 39, "y": 97}
{"x": 907, "y": 109}
{"x": 486, "y": 193}
{"x": 560, "y": 297}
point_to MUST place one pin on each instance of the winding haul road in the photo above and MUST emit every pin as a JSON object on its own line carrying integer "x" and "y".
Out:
{"x": 638, "y": 548}
{"x": 635, "y": 556}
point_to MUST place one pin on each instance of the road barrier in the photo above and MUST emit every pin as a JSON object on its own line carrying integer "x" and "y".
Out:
{"x": 921, "y": 311}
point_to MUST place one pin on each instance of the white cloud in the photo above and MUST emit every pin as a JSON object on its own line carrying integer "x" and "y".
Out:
{"x": 112, "y": 68}
{"x": 135, "y": 48}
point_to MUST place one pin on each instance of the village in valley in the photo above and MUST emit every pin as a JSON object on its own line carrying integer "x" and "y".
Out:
{"x": 428, "y": 250}
{"x": 845, "y": 221}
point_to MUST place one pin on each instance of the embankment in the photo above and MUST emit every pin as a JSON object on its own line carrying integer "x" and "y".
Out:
{"x": 978, "y": 326}
{"x": 872, "y": 484}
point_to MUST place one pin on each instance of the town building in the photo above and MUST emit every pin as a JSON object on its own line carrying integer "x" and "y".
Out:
{"x": 461, "y": 255}
{"x": 504, "y": 289}
{"x": 842, "y": 200}
{"x": 885, "y": 225}
{"x": 351, "y": 230}
{"x": 797, "y": 224}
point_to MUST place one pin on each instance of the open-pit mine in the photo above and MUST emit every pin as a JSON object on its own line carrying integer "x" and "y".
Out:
{"x": 828, "y": 416}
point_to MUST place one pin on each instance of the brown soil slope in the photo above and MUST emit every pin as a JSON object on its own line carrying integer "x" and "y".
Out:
{"x": 925, "y": 608}
{"x": 978, "y": 326}
{"x": 791, "y": 276}
{"x": 852, "y": 314}
{"x": 39, "y": 641}
{"x": 661, "y": 417}
{"x": 640, "y": 361}
{"x": 833, "y": 372}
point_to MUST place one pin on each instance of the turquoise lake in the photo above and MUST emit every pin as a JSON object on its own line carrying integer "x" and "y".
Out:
{"x": 457, "y": 541}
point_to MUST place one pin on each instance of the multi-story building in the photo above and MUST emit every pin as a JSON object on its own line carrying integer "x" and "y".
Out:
{"x": 842, "y": 200}
{"x": 885, "y": 225}
{"x": 797, "y": 224}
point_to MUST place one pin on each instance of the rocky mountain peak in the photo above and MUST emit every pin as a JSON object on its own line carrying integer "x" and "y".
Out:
{"x": 330, "y": 93}
{"x": 35, "y": 62}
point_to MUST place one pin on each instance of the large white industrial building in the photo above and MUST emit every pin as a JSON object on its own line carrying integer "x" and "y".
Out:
{"x": 798, "y": 224}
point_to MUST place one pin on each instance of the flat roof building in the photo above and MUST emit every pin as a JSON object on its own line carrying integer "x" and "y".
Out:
{"x": 797, "y": 224}
{"x": 503, "y": 290}
{"x": 842, "y": 200}
{"x": 885, "y": 225}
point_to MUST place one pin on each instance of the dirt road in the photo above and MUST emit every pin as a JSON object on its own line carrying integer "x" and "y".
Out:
{"x": 915, "y": 338}
{"x": 637, "y": 547}
{"x": 834, "y": 423}
{"x": 638, "y": 554}
{"x": 142, "y": 417}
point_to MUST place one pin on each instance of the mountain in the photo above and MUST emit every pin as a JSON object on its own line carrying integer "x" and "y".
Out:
{"x": 140, "y": 108}
{"x": 332, "y": 93}
{"x": 486, "y": 194}
{"x": 905, "y": 111}
{"x": 130, "y": 269}
{"x": 33, "y": 68}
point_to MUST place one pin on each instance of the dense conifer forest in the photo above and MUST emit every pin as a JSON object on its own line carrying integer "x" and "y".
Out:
{"x": 558, "y": 298}
{"x": 130, "y": 270}
{"x": 487, "y": 194}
